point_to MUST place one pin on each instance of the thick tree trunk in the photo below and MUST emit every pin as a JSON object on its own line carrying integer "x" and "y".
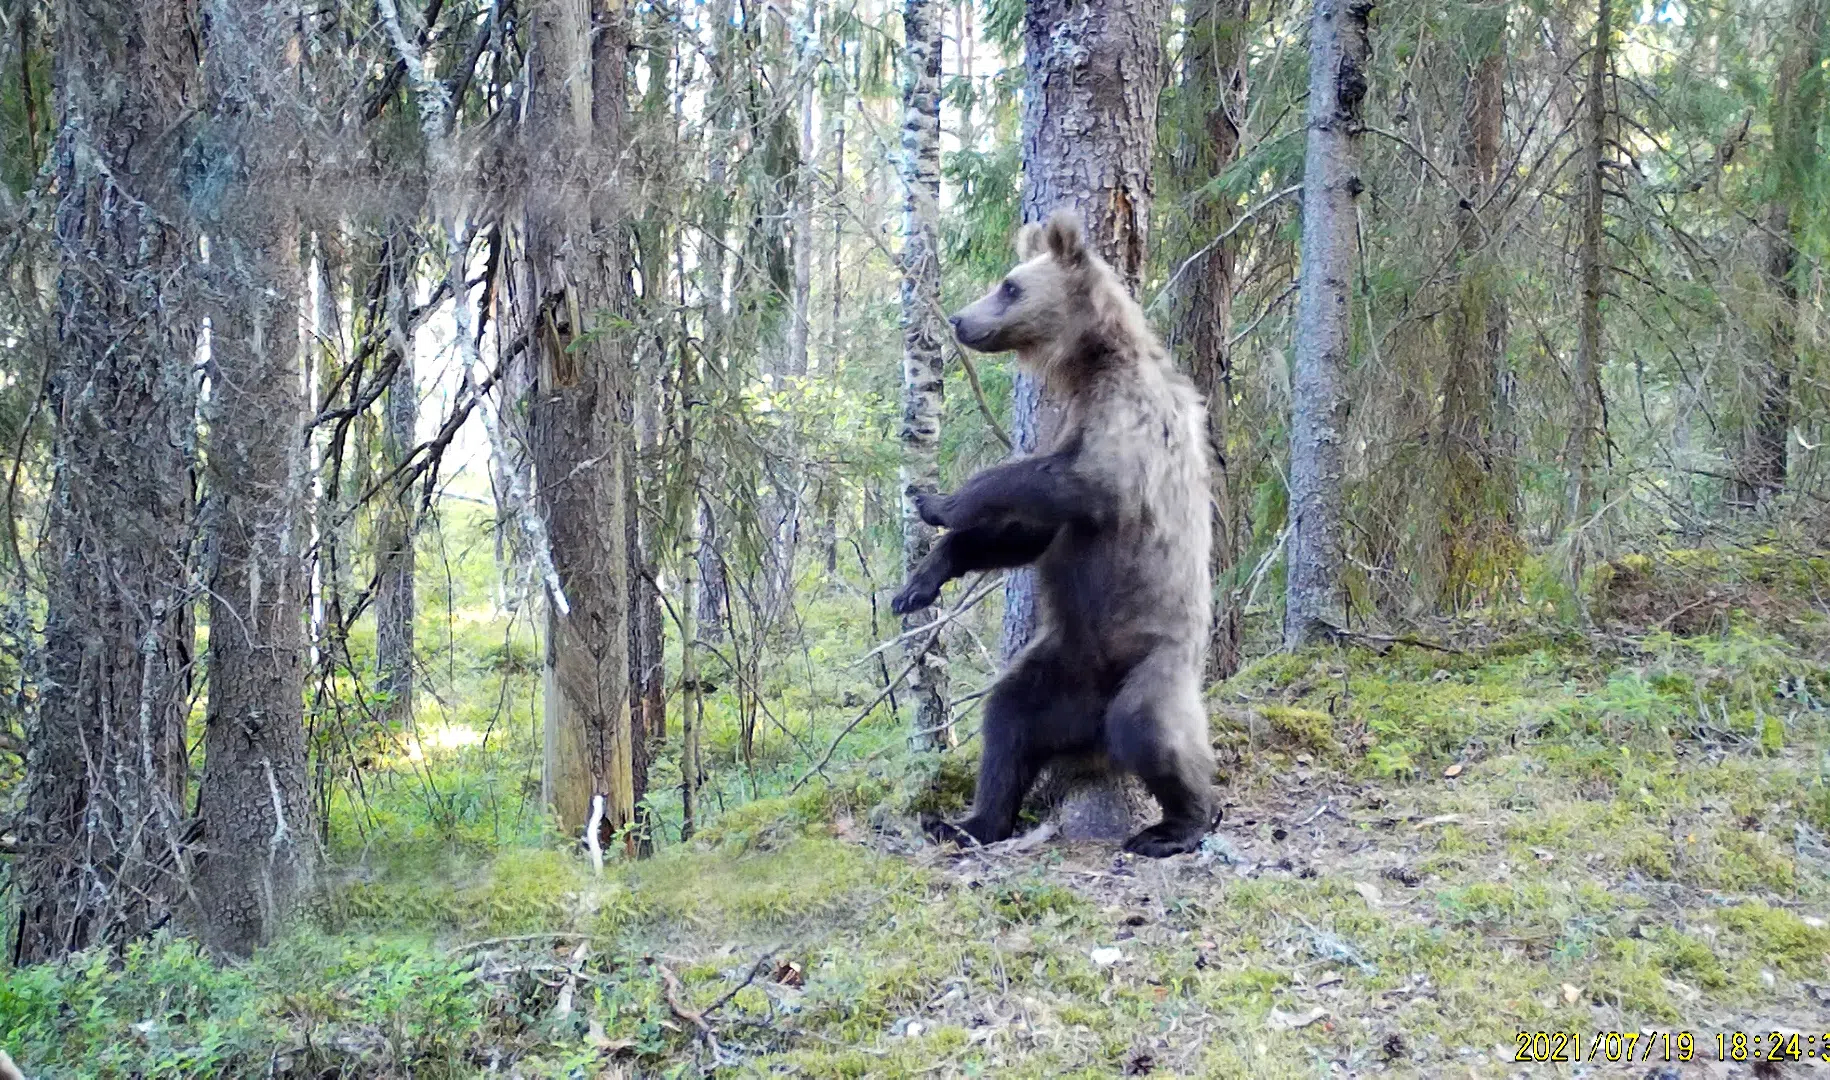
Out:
{"x": 1215, "y": 75}
{"x": 1477, "y": 527}
{"x": 253, "y": 800}
{"x": 1586, "y": 430}
{"x": 1093, "y": 75}
{"x": 105, "y": 764}
{"x": 1338, "y": 48}
{"x": 581, "y": 404}
{"x": 1797, "y": 102}
{"x": 394, "y": 586}
{"x": 923, "y": 381}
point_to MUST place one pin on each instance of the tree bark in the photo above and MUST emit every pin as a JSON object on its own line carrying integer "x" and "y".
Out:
{"x": 1338, "y": 49}
{"x": 581, "y": 403}
{"x": 1214, "y": 73}
{"x": 712, "y": 596}
{"x": 394, "y": 556}
{"x": 1586, "y": 430}
{"x": 1797, "y": 102}
{"x": 923, "y": 382}
{"x": 101, "y": 857}
{"x": 253, "y": 799}
{"x": 1093, "y": 78}
{"x": 1477, "y": 527}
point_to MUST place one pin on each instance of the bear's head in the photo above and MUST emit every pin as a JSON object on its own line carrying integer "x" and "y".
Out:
{"x": 1048, "y": 301}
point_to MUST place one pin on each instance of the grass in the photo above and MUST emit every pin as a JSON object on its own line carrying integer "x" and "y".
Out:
{"x": 1422, "y": 854}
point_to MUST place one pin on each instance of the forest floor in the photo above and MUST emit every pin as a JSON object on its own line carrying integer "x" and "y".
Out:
{"x": 1618, "y": 837}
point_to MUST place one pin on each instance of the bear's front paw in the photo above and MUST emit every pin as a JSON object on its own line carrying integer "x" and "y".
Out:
{"x": 917, "y": 594}
{"x": 933, "y": 507}
{"x": 966, "y": 834}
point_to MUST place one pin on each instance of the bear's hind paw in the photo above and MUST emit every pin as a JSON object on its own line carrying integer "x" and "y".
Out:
{"x": 1164, "y": 839}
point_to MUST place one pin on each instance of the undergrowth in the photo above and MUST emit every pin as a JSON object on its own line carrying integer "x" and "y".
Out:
{"x": 1426, "y": 848}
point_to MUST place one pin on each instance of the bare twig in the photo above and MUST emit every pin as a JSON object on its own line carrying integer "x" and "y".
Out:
{"x": 978, "y": 395}
{"x": 676, "y": 998}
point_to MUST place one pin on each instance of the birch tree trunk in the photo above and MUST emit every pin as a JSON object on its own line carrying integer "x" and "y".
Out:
{"x": 1338, "y": 48}
{"x": 253, "y": 799}
{"x": 1795, "y": 115}
{"x": 923, "y": 381}
{"x": 1215, "y": 74}
{"x": 105, "y": 759}
{"x": 1586, "y": 430}
{"x": 1093, "y": 75}
{"x": 581, "y": 402}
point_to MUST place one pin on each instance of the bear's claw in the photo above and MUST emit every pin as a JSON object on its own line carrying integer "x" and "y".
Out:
{"x": 914, "y": 596}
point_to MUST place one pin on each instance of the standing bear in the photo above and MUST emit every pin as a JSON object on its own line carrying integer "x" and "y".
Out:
{"x": 1114, "y": 512}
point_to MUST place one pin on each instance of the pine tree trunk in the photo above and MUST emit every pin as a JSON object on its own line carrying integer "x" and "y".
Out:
{"x": 1797, "y": 104}
{"x": 1215, "y": 73}
{"x": 922, "y": 379}
{"x": 253, "y": 800}
{"x": 1477, "y": 527}
{"x": 580, "y": 406}
{"x": 712, "y": 598}
{"x": 105, "y": 763}
{"x": 394, "y": 584}
{"x": 1093, "y": 77}
{"x": 1338, "y": 50}
{"x": 1586, "y": 429}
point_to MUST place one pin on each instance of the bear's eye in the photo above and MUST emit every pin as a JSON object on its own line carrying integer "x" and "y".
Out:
{"x": 1010, "y": 292}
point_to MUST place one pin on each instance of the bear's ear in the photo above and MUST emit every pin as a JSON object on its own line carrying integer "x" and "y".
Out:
{"x": 1029, "y": 242}
{"x": 1066, "y": 241}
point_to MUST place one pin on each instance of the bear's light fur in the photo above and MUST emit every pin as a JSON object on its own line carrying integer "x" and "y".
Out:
{"x": 1114, "y": 513}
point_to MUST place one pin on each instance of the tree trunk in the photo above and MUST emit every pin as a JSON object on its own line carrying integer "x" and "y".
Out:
{"x": 394, "y": 586}
{"x": 713, "y": 594}
{"x": 1760, "y": 468}
{"x": 1093, "y": 76}
{"x": 105, "y": 761}
{"x": 1477, "y": 526}
{"x": 1215, "y": 74}
{"x": 581, "y": 404}
{"x": 253, "y": 800}
{"x": 1585, "y": 431}
{"x": 1338, "y": 48}
{"x": 923, "y": 381}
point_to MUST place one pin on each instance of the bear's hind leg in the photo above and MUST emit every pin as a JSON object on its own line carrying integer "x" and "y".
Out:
{"x": 1039, "y": 709}
{"x": 1157, "y": 729}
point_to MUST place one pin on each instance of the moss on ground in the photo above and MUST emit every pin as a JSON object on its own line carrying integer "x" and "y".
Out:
{"x": 1422, "y": 854}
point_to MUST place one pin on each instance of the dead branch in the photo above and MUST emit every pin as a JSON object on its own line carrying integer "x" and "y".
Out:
{"x": 675, "y": 994}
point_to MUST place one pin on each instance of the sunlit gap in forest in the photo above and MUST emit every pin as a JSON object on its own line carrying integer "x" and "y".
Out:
{"x": 946, "y": 537}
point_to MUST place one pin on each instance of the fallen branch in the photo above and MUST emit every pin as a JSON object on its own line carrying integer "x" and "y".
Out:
{"x": 516, "y": 939}
{"x": 1338, "y": 636}
{"x": 675, "y": 995}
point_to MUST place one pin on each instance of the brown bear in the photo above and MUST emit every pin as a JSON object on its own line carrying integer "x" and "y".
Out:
{"x": 1114, "y": 514}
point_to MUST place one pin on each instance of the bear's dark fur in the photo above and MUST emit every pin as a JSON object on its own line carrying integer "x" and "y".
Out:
{"x": 1114, "y": 513}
